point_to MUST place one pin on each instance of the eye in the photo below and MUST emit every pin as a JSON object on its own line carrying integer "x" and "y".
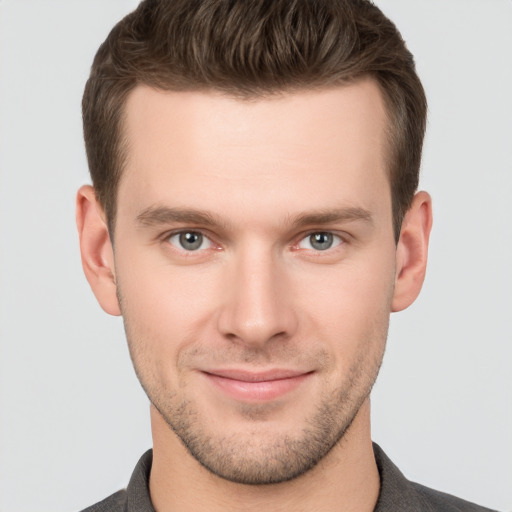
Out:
{"x": 190, "y": 241}
{"x": 320, "y": 241}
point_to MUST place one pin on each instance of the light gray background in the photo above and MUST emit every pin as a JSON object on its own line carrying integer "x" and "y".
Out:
{"x": 73, "y": 418}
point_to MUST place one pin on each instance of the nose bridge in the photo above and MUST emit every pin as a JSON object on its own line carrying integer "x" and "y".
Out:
{"x": 257, "y": 307}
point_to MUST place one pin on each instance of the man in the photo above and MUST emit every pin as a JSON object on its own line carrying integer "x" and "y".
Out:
{"x": 254, "y": 218}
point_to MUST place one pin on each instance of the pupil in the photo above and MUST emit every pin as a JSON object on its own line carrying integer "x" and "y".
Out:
{"x": 321, "y": 241}
{"x": 191, "y": 241}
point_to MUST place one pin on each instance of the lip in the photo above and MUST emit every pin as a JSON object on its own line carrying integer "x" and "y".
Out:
{"x": 260, "y": 386}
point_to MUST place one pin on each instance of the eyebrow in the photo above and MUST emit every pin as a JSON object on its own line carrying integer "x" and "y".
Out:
{"x": 161, "y": 215}
{"x": 158, "y": 215}
{"x": 332, "y": 215}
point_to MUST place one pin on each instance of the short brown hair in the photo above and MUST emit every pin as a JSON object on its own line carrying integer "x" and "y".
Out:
{"x": 252, "y": 48}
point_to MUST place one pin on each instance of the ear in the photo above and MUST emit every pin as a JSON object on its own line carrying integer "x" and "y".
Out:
{"x": 96, "y": 249}
{"x": 411, "y": 252}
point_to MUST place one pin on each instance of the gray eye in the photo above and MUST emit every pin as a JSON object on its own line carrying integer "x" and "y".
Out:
{"x": 189, "y": 241}
{"x": 321, "y": 241}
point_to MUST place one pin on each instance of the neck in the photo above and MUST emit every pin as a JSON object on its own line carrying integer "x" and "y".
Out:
{"x": 346, "y": 479}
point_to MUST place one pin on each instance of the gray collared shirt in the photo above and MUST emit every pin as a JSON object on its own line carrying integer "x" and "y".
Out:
{"x": 397, "y": 494}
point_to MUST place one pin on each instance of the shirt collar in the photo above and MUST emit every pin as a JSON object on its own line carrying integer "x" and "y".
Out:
{"x": 396, "y": 492}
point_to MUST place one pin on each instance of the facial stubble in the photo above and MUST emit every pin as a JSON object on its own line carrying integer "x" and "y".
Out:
{"x": 253, "y": 456}
{"x": 279, "y": 459}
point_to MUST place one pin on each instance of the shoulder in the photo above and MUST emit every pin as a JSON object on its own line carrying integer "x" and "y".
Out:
{"x": 436, "y": 500}
{"x": 114, "y": 503}
{"x": 398, "y": 494}
{"x": 136, "y": 497}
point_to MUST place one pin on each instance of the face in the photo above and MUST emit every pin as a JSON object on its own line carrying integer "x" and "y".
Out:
{"x": 255, "y": 267}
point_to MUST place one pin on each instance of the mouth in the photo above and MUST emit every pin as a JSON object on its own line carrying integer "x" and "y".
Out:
{"x": 262, "y": 386}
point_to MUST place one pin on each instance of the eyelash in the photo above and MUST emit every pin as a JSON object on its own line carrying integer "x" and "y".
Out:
{"x": 330, "y": 234}
{"x": 190, "y": 253}
{"x": 341, "y": 240}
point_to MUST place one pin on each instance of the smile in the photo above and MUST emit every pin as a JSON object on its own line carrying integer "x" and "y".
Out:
{"x": 256, "y": 386}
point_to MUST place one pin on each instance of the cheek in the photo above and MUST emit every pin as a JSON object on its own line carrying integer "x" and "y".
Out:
{"x": 165, "y": 308}
{"x": 349, "y": 306}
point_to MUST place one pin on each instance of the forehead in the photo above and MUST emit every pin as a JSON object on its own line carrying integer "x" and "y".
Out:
{"x": 321, "y": 145}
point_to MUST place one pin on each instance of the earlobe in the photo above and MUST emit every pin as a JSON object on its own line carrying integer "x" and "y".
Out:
{"x": 411, "y": 252}
{"x": 96, "y": 249}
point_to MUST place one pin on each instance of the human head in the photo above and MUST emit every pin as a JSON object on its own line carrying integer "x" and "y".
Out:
{"x": 252, "y": 50}
{"x": 251, "y": 177}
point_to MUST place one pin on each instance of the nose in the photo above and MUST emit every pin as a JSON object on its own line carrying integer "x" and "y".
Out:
{"x": 258, "y": 306}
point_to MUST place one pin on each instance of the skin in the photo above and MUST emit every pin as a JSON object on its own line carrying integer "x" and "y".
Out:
{"x": 257, "y": 297}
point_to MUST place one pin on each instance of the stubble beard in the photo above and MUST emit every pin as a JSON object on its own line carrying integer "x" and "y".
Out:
{"x": 252, "y": 457}
{"x": 253, "y": 460}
